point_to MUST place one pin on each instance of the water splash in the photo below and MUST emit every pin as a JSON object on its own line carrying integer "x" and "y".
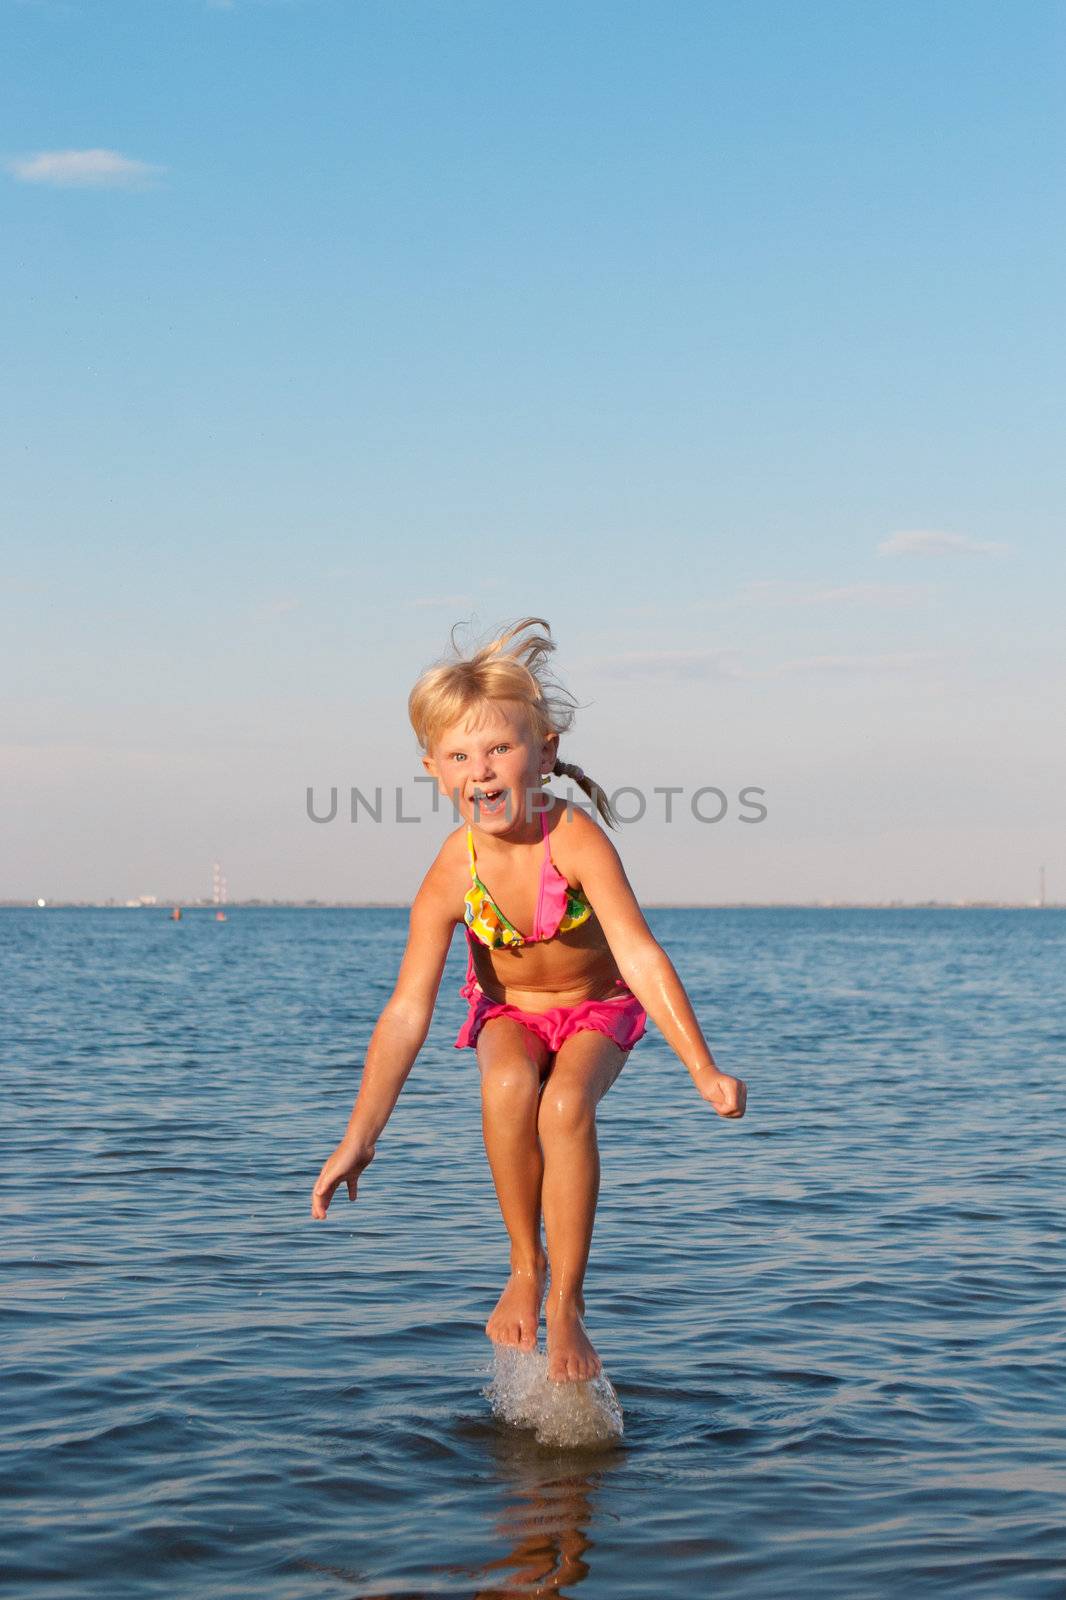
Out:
{"x": 522, "y": 1394}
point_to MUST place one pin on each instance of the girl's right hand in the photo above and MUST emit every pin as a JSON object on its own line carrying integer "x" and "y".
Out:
{"x": 343, "y": 1166}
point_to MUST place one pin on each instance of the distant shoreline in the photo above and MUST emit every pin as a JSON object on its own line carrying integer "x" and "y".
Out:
{"x": 190, "y": 906}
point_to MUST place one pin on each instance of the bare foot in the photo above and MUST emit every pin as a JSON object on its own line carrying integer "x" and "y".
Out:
{"x": 517, "y": 1312}
{"x": 571, "y": 1357}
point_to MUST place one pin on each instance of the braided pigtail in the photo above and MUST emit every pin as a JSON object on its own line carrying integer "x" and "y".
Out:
{"x": 568, "y": 769}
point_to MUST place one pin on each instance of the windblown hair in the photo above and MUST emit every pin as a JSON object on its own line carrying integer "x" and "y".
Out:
{"x": 508, "y": 668}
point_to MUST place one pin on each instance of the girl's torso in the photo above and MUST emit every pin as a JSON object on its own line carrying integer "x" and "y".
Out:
{"x": 534, "y": 941}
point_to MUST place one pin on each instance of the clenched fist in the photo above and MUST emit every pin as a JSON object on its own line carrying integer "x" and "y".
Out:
{"x": 727, "y": 1095}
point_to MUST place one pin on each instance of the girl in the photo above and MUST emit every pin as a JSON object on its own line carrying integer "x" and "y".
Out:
{"x": 553, "y": 1012}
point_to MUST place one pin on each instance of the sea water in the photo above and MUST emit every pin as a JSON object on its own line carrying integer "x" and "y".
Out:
{"x": 833, "y": 1330}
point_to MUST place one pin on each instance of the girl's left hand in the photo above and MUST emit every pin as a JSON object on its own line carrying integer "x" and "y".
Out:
{"x": 727, "y": 1095}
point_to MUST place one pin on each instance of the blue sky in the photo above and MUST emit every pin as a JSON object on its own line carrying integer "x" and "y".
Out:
{"x": 726, "y": 337}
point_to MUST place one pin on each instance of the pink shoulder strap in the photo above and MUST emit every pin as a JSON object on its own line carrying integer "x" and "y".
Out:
{"x": 546, "y": 863}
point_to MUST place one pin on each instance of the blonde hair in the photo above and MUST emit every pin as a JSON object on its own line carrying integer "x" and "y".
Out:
{"x": 461, "y": 685}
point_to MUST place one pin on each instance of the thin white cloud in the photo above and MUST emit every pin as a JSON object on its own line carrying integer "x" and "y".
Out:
{"x": 82, "y": 169}
{"x": 453, "y": 600}
{"x": 721, "y": 663}
{"x": 933, "y": 542}
{"x": 660, "y": 611}
{"x": 269, "y": 610}
{"x": 779, "y": 592}
{"x": 852, "y": 665}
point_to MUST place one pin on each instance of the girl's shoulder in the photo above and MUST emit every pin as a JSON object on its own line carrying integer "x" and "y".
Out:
{"x": 571, "y": 833}
{"x": 451, "y": 849}
{"x": 443, "y": 883}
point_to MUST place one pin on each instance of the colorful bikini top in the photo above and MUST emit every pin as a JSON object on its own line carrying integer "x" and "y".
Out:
{"x": 559, "y": 908}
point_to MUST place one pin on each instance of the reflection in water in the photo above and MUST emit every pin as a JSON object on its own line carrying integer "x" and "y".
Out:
{"x": 549, "y": 1496}
{"x": 548, "y": 1451}
{"x": 545, "y": 1524}
{"x": 545, "y": 1527}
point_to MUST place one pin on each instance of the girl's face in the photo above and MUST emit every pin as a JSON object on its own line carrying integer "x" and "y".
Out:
{"x": 488, "y": 774}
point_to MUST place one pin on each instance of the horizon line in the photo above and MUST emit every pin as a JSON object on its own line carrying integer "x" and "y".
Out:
{"x": 168, "y": 904}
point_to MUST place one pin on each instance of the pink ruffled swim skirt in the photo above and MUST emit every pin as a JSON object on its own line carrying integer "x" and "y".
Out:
{"x": 621, "y": 1017}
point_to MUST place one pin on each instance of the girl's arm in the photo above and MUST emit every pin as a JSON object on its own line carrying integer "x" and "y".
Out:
{"x": 398, "y": 1037}
{"x": 645, "y": 966}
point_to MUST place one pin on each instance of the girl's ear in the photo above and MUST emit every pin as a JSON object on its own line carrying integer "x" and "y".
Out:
{"x": 430, "y": 766}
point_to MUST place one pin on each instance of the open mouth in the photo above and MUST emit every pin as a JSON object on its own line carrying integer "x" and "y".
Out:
{"x": 490, "y": 799}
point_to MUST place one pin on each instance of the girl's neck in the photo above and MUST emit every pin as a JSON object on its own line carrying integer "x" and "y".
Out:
{"x": 532, "y": 832}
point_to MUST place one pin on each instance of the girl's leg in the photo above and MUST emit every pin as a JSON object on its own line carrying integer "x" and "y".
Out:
{"x": 586, "y": 1065}
{"x": 512, "y": 1060}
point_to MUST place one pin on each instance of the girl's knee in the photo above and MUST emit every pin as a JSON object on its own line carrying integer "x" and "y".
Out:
{"x": 509, "y": 1085}
{"x": 567, "y": 1109}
